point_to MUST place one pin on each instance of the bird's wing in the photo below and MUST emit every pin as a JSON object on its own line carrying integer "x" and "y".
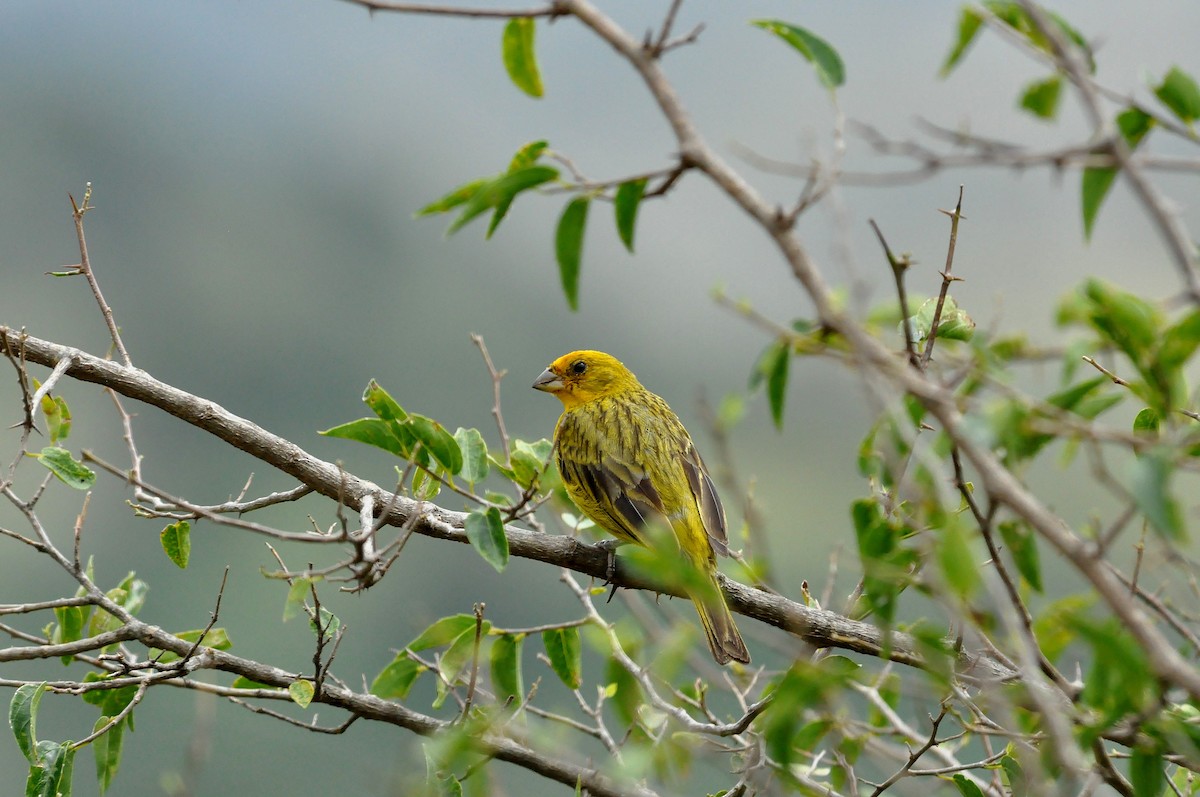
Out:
{"x": 620, "y": 492}
{"x": 632, "y": 496}
{"x": 705, "y": 493}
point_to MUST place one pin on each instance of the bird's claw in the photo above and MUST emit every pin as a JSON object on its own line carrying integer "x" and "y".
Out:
{"x": 609, "y": 546}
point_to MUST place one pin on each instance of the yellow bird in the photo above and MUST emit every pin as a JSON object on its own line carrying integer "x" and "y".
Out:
{"x": 629, "y": 464}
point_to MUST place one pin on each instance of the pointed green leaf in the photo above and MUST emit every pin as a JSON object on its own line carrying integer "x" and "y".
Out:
{"x": 22, "y": 717}
{"x": 301, "y": 692}
{"x": 372, "y": 431}
{"x": 830, "y": 69}
{"x": 528, "y": 154}
{"x": 1041, "y": 97}
{"x": 520, "y": 58}
{"x": 442, "y": 632}
{"x": 1097, "y": 180}
{"x": 68, "y": 470}
{"x": 382, "y": 403}
{"x": 966, "y": 786}
{"x": 437, "y": 441}
{"x": 176, "y": 541}
{"x": 1179, "y": 92}
{"x": 506, "y": 667}
{"x": 566, "y": 654}
{"x": 1146, "y": 772}
{"x": 773, "y": 369}
{"x": 450, "y": 201}
{"x": 1180, "y": 341}
{"x": 475, "y": 454}
{"x": 485, "y": 530}
{"x": 568, "y": 247}
{"x": 1022, "y": 546}
{"x": 51, "y": 777}
{"x": 297, "y": 594}
{"x": 397, "y": 679}
{"x": 626, "y": 204}
{"x": 959, "y": 567}
{"x": 460, "y": 652}
{"x": 58, "y": 416}
{"x": 501, "y": 190}
{"x": 424, "y": 486}
{"x": 969, "y": 22}
{"x": 106, "y": 750}
{"x": 1150, "y": 485}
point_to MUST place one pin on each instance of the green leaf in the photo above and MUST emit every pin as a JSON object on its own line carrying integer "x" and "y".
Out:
{"x": 529, "y": 460}
{"x": 329, "y": 624}
{"x": 969, "y": 22}
{"x": 1179, "y": 342}
{"x": 450, "y": 201}
{"x": 297, "y": 594}
{"x": 176, "y": 541}
{"x": 1179, "y": 92}
{"x": 830, "y": 69}
{"x": 772, "y": 367}
{"x": 442, "y": 632}
{"x": 51, "y": 776}
{"x": 1041, "y": 97}
{"x": 396, "y": 680}
{"x": 301, "y": 692}
{"x": 566, "y": 654}
{"x": 106, "y": 751}
{"x": 68, "y": 470}
{"x": 1146, "y": 772}
{"x": 58, "y": 415}
{"x": 506, "y": 668}
{"x": 382, "y": 403}
{"x": 966, "y": 786}
{"x": 1147, "y": 422}
{"x": 475, "y": 454}
{"x": 485, "y": 530}
{"x": 216, "y": 638}
{"x": 437, "y": 441}
{"x": 568, "y": 247}
{"x": 628, "y": 200}
{"x": 1149, "y": 483}
{"x": 953, "y": 324}
{"x": 959, "y": 566}
{"x": 1022, "y": 546}
{"x": 526, "y": 156}
{"x": 500, "y": 190}
{"x": 242, "y": 682}
{"x": 456, "y": 657}
{"x": 134, "y": 593}
{"x": 1097, "y": 180}
{"x": 424, "y": 486}
{"x": 520, "y": 59}
{"x": 372, "y": 431}
{"x": 22, "y": 717}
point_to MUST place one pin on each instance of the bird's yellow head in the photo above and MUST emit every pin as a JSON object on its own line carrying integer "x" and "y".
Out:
{"x": 583, "y": 376}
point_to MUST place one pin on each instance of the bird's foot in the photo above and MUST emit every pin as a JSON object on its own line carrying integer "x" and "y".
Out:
{"x": 609, "y": 546}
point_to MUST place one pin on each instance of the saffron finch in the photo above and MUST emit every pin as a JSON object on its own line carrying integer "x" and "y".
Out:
{"x": 631, "y": 467}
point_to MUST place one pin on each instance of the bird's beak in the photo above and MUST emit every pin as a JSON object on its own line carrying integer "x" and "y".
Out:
{"x": 548, "y": 381}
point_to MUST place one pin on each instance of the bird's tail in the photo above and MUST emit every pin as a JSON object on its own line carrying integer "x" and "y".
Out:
{"x": 723, "y": 637}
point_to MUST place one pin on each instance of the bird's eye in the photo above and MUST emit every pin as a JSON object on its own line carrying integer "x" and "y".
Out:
{"x": 578, "y": 367}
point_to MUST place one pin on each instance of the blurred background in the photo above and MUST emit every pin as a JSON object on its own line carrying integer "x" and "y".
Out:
{"x": 256, "y": 168}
